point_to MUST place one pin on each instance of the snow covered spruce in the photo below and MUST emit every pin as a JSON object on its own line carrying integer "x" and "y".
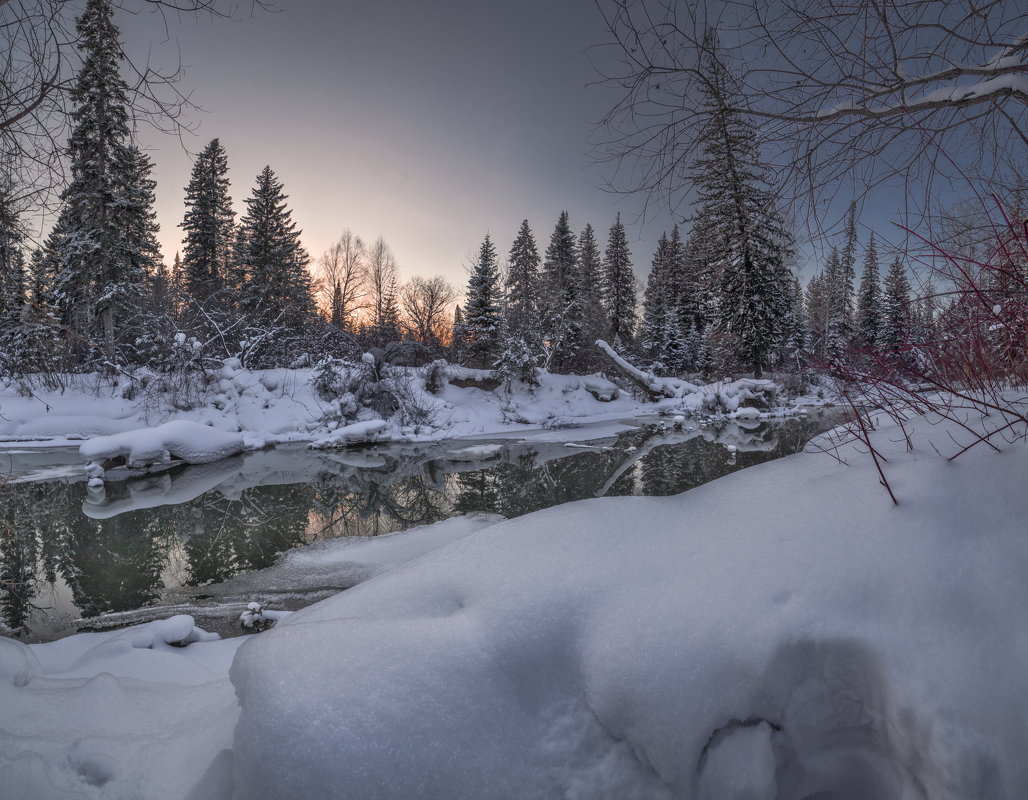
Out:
{"x": 721, "y": 643}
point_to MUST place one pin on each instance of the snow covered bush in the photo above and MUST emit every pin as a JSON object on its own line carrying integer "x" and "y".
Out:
{"x": 517, "y": 362}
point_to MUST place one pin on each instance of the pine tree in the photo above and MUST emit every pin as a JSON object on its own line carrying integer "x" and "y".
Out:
{"x": 836, "y": 329}
{"x": 12, "y": 261}
{"x": 521, "y": 315}
{"x": 276, "y": 283}
{"x": 663, "y": 341}
{"x": 619, "y": 287}
{"x": 44, "y": 351}
{"x": 141, "y": 228}
{"x": 459, "y": 335}
{"x": 100, "y": 282}
{"x": 590, "y": 269}
{"x": 869, "y": 298}
{"x": 694, "y": 298}
{"x": 848, "y": 267}
{"x": 387, "y": 324}
{"x": 740, "y": 212}
{"x": 895, "y": 323}
{"x": 483, "y": 310}
{"x": 209, "y": 225}
{"x": 561, "y": 302}
{"x": 12, "y": 284}
{"x": 794, "y": 327}
{"x": 818, "y": 315}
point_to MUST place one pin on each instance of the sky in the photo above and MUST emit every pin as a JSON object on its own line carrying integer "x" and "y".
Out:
{"x": 426, "y": 123}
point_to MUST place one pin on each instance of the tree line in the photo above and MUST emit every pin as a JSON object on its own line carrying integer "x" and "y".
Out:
{"x": 98, "y": 296}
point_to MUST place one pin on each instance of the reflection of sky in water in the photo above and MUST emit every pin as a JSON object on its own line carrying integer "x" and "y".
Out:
{"x": 67, "y": 552}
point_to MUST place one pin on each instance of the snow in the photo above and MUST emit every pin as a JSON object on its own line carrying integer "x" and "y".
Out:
{"x": 182, "y": 440}
{"x": 784, "y": 631}
{"x": 614, "y": 665}
{"x": 357, "y": 433}
{"x": 116, "y": 715}
{"x": 279, "y": 406}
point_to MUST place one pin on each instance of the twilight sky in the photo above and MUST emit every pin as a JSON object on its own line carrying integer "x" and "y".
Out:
{"x": 429, "y": 123}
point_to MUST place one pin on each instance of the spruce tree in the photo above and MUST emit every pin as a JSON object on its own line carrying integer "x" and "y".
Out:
{"x": 40, "y": 350}
{"x": 387, "y": 324}
{"x": 895, "y": 323}
{"x": 590, "y": 277}
{"x": 459, "y": 335}
{"x": 100, "y": 282}
{"x": 276, "y": 283}
{"x": 142, "y": 250}
{"x": 818, "y": 314}
{"x": 561, "y": 301}
{"x": 848, "y": 267}
{"x": 619, "y": 287}
{"x": 794, "y": 338}
{"x": 12, "y": 262}
{"x": 208, "y": 225}
{"x": 740, "y": 211}
{"x": 694, "y": 298}
{"x": 869, "y": 297}
{"x": 836, "y": 329}
{"x": 522, "y": 287}
{"x": 483, "y": 309}
{"x": 663, "y": 341}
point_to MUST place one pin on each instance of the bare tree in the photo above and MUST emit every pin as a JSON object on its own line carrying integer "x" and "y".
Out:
{"x": 38, "y": 64}
{"x": 382, "y": 277}
{"x": 428, "y": 309}
{"x": 849, "y": 94}
{"x": 343, "y": 279}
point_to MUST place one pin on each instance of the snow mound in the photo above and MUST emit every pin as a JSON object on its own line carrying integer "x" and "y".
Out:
{"x": 781, "y": 632}
{"x": 182, "y": 439}
{"x": 140, "y": 713}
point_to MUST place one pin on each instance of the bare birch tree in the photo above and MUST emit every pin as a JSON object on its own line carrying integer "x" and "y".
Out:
{"x": 428, "y": 309}
{"x": 343, "y": 280}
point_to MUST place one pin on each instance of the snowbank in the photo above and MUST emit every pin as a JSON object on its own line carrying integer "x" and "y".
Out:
{"x": 782, "y": 632}
{"x": 373, "y": 430}
{"x": 289, "y": 405}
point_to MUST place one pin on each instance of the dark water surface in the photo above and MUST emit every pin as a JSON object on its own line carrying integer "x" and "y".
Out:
{"x": 69, "y": 556}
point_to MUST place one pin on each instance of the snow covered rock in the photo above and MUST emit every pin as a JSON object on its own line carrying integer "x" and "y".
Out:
{"x": 182, "y": 439}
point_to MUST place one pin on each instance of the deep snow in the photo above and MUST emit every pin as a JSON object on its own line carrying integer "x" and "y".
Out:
{"x": 777, "y": 633}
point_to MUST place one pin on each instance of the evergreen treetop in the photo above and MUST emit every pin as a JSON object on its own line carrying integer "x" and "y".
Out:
{"x": 522, "y": 288}
{"x": 619, "y": 296}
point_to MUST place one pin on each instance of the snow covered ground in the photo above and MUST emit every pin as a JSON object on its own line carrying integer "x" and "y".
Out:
{"x": 784, "y": 632}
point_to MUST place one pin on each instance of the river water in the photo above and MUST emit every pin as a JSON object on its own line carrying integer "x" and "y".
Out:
{"x": 72, "y": 559}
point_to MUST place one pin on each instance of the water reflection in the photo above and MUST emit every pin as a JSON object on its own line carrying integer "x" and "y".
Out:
{"x": 124, "y": 547}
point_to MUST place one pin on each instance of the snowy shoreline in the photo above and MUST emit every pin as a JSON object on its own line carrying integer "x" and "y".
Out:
{"x": 243, "y": 410}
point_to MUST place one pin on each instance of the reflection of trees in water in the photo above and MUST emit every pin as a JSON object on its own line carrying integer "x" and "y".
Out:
{"x": 109, "y": 565}
{"x": 228, "y": 536}
{"x": 118, "y": 563}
